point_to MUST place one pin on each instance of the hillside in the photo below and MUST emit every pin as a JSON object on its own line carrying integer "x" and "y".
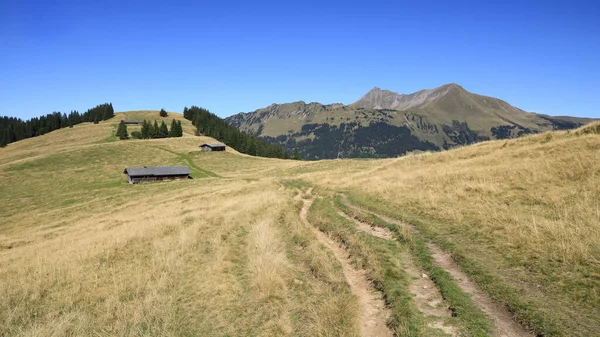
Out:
{"x": 386, "y": 124}
{"x": 497, "y": 238}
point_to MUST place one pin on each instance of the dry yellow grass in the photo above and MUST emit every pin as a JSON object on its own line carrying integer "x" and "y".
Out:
{"x": 83, "y": 253}
{"x": 206, "y": 259}
{"x": 525, "y": 210}
{"x": 539, "y": 194}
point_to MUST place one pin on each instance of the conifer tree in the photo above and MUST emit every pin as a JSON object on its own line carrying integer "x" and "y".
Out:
{"x": 3, "y": 137}
{"x": 179, "y": 130}
{"x": 96, "y": 121}
{"x": 199, "y": 127}
{"x": 173, "y": 131}
{"x": 154, "y": 130}
{"x": 251, "y": 147}
{"x": 163, "y": 113}
{"x": 163, "y": 131}
{"x": 145, "y": 130}
{"x": 122, "y": 131}
{"x": 296, "y": 155}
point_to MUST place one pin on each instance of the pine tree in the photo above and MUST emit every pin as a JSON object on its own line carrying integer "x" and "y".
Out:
{"x": 145, "y": 130}
{"x": 296, "y": 155}
{"x": 122, "y": 131}
{"x": 251, "y": 147}
{"x": 154, "y": 130}
{"x": 179, "y": 132}
{"x": 163, "y": 131}
{"x": 173, "y": 131}
{"x": 199, "y": 127}
{"x": 163, "y": 113}
{"x": 176, "y": 129}
{"x": 96, "y": 121}
{"x": 3, "y": 138}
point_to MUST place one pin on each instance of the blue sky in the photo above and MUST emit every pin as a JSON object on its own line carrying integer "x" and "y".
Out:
{"x": 231, "y": 56}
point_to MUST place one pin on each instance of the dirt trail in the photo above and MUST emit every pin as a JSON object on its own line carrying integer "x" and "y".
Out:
{"x": 373, "y": 230}
{"x": 374, "y": 315}
{"x": 426, "y": 294}
{"x": 504, "y": 325}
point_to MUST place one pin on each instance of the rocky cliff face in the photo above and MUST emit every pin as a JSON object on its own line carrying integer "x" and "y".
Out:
{"x": 385, "y": 99}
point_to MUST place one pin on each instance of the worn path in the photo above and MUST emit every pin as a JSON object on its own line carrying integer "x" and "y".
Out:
{"x": 374, "y": 315}
{"x": 426, "y": 294}
{"x": 504, "y": 324}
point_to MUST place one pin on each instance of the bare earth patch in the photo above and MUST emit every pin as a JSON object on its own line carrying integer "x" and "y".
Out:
{"x": 504, "y": 325}
{"x": 426, "y": 294}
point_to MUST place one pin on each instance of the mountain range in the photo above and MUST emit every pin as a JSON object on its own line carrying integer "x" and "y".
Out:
{"x": 387, "y": 124}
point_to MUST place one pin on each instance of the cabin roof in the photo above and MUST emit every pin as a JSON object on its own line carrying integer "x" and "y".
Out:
{"x": 157, "y": 171}
{"x": 213, "y": 145}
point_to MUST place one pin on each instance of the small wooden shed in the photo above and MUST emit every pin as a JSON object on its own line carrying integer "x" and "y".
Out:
{"x": 213, "y": 147}
{"x": 132, "y": 121}
{"x": 156, "y": 173}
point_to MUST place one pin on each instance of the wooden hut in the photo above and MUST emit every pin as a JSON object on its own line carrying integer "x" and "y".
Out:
{"x": 156, "y": 173}
{"x": 213, "y": 147}
{"x": 132, "y": 121}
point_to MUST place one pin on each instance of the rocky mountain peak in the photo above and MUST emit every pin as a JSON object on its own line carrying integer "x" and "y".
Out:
{"x": 378, "y": 98}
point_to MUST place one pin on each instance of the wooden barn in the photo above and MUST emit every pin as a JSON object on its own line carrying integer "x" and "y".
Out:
{"x": 213, "y": 147}
{"x": 156, "y": 173}
{"x": 132, "y": 121}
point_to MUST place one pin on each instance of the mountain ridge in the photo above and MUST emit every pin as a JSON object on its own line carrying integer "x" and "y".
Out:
{"x": 428, "y": 119}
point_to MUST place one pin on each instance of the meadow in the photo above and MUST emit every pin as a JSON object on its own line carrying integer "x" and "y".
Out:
{"x": 228, "y": 254}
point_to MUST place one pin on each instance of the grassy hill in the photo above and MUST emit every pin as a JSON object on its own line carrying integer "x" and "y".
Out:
{"x": 385, "y": 124}
{"x": 236, "y": 251}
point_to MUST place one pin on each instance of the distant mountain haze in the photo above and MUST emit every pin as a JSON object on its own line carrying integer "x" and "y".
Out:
{"x": 387, "y": 124}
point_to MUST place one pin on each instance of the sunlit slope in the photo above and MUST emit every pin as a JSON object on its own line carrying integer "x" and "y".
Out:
{"x": 84, "y": 253}
{"x": 87, "y": 134}
{"x": 523, "y": 213}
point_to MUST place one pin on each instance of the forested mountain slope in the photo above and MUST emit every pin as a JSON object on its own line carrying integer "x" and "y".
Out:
{"x": 386, "y": 124}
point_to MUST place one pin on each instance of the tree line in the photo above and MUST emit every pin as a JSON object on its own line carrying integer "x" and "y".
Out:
{"x": 13, "y": 129}
{"x": 151, "y": 131}
{"x": 211, "y": 125}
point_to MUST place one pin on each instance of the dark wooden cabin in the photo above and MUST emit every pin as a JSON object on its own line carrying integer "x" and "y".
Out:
{"x": 132, "y": 121}
{"x": 213, "y": 147}
{"x": 156, "y": 173}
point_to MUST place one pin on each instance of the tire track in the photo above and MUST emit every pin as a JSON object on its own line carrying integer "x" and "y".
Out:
{"x": 426, "y": 294}
{"x": 374, "y": 315}
{"x": 504, "y": 323}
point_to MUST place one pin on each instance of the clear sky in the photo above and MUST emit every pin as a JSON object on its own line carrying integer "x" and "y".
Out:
{"x": 230, "y": 56}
